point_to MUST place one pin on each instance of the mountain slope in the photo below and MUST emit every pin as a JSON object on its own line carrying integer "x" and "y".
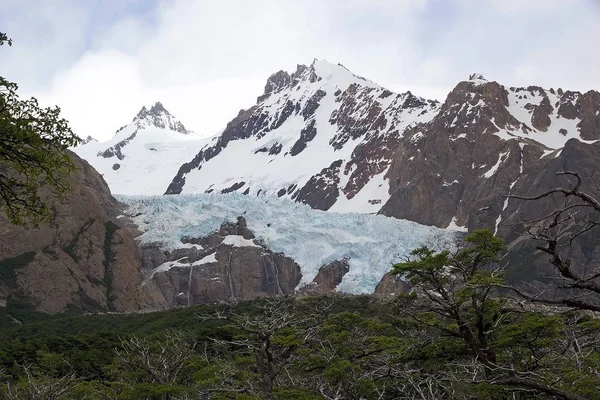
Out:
{"x": 489, "y": 141}
{"x": 483, "y": 143}
{"x": 144, "y": 155}
{"x": 321, "y": 135}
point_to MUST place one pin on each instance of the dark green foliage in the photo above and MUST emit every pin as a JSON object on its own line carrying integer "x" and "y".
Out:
{"x": 454, "y": 337}
{"x": 33, "y": 154}
{"x": 8, "y": 267}
{"x": 364, "y": 353}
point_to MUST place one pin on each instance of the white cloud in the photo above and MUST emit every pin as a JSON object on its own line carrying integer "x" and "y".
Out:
{"x": 100, "y": 92}
{"x": 206, "y": 59}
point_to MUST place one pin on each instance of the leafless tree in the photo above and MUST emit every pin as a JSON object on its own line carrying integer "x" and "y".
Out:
{"x": 162, "y": 361}
{"x": 36, "y": 387}
{"x": 557, "y": 231}
{"x": 272, "y": 335}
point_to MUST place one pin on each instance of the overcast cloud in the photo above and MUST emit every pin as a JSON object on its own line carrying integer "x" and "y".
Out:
{"x": 101, "y": 60}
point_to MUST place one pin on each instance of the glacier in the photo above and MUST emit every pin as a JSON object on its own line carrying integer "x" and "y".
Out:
{"x": 313, "y": 238}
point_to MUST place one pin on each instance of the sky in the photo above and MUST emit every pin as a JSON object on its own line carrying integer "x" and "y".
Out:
{"x": 102, "y": 60}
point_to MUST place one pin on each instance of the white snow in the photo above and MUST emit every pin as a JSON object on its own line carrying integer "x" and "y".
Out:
{"x": 453, "y": 226}
{"x": 180, "y": 264}
{"x": 446, "y": 184}
{"x": 312, "y": 238}
{"x": 416, "y": 137}
{"x": 211, "y": 258}
{"x": 492, "y": 171}
{"x": 370, "y": 199}
{"x": 461, "y": 136}
{"x": 552, "y": 138}
{"x": 238, "y": 241}
{"x": 505, "y": 205}
{"x": 477, "y": 79}
{"x": 152, "y": 158}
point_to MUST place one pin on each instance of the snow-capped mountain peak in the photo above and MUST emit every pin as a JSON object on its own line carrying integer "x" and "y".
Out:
{"x": 318, "y": 135}
{"x": 145, "y": 154}
{"x": 157, "y": 116}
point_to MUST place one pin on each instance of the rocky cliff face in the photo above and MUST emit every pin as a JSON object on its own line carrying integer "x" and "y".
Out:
{"x": 483, "y": 144}
{"x": 83, "y": 261}
{"x": 226, "y": 265}
{"x": 232, "y": 264}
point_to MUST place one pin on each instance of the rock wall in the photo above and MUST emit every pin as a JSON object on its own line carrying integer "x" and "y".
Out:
{"x": 84, "y": 260}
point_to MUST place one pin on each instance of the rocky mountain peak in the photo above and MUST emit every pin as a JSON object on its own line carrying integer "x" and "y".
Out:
{"x": 317, "y": 71}
{"x": 477, "y": 77}
{"x": 155, "y": 117}
{"x": 158, "y": 117}
{"x": 337, "y": 129}
{"x": 158, "y": 109}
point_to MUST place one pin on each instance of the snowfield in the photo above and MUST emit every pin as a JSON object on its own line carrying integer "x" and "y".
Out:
{"x": 151, "y": 160}
{"x": 313, "y": 238}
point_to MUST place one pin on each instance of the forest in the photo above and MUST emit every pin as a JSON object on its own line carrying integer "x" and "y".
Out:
{"x": 461, "y": 333}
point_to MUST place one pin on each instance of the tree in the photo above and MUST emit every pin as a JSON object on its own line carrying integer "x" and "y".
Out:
{"x": 505, "y": 349}
{"x": 38, "y": 386}
{"x": 157, "y": 369}
{"x": 556, "y": 232}
{"x": 353, "y": 357}
{"x": 266, "y": 344}
{"x": 33, "y": 154}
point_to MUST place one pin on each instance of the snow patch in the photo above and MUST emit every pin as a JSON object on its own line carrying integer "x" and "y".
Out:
{"x": 238, "y": 241}
{"x": 493, "y": 170}
{"x": 446, "y": 184}
{"x": 453, "y": 226}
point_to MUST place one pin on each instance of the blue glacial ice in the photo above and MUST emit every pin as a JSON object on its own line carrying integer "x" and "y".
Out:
{"x": 313, "y": 238}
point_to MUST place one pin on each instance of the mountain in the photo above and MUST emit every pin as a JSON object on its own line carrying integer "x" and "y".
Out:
{"x": 144, "y": 155}
{"x": 488, "y": 141}
{"x": 483, "y": 143}
{"x": 335, "y": 141}
{"x": 320, "y": 135}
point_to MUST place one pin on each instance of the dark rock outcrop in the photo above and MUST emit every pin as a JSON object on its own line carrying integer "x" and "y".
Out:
{"x": 321, "y": 191}
{"x": 328, "y": 278}
{"x": 391, "y": 285}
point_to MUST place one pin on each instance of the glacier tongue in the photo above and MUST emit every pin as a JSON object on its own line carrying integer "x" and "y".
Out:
{"x": 313, "y": 238}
